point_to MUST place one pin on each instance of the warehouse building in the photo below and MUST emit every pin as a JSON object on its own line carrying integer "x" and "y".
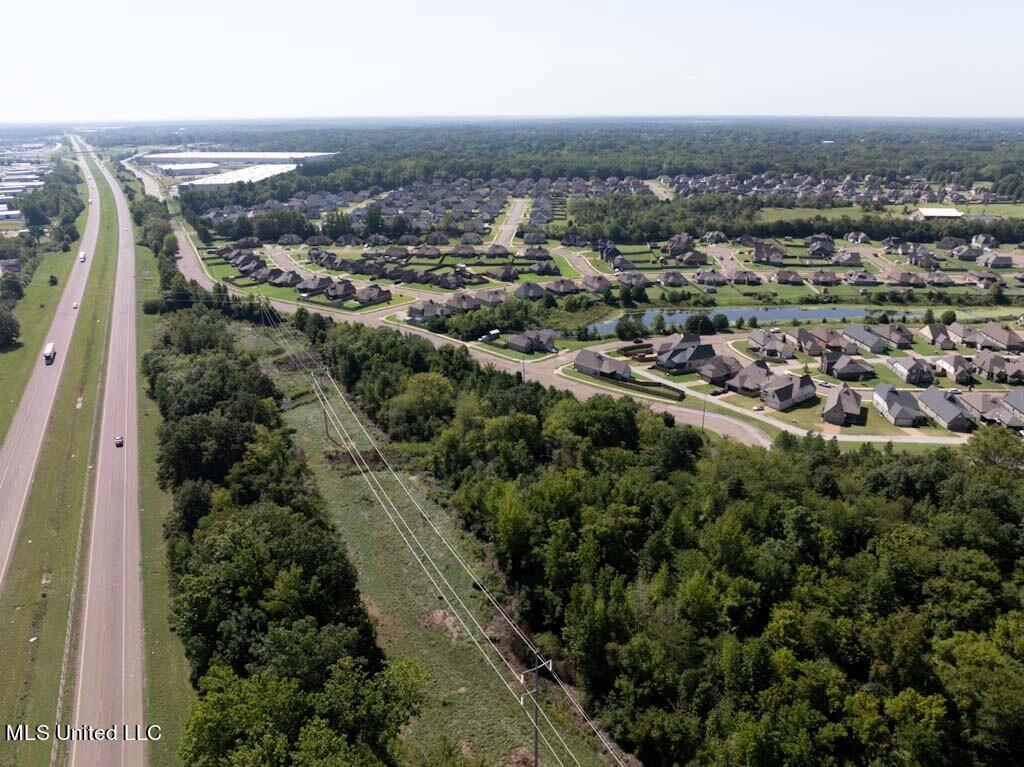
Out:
{"x": 188, "y": 168}
{"x": 235, "y": 158}
{"x": 237, "y": 176}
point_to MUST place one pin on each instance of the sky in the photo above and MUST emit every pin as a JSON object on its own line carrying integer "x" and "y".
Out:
{"x": 123, "y": 60}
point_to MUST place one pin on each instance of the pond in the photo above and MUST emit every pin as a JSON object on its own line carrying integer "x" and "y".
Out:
{"x": 765, "y": 315}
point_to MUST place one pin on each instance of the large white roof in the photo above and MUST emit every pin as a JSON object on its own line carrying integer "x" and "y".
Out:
{"x": 238, "y": 157}
{"x": 940, "y": 212}
{"x": 241, "y": 175}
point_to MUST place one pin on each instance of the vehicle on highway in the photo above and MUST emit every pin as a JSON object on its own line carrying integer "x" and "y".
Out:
{"x": 119, "y": 441}
{"x": 81, "y": 256}
{"x": 74, "y": 304}
{"x": 49, "y": 353}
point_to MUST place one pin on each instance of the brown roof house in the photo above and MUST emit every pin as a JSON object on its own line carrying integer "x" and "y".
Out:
{"x": 844, "y": 367}
{"x": 842, "y": 406}
{"x": 719, "y": 369}
{"x": 593, "y": 363}
{"x": 530, "y": 341}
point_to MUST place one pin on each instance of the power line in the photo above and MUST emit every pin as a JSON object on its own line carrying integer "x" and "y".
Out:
{"x": 380, "y": 494}
{"x": 541, "y": 660}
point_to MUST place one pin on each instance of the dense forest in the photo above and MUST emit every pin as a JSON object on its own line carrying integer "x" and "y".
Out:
{"x": 719, "y": 604}
{"x": 265, "y": 600}
{"x": 390, "y": 154}
{"x": 635, "y": 219}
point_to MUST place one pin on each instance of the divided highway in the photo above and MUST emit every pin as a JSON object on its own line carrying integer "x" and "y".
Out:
{"x": 24, "y": 440}
{"x": 110, "y": 663}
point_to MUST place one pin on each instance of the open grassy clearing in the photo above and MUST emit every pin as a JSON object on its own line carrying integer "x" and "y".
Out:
{"x": 35, "y": 312}
{"x": 37, "y": 593}
{"x": 466, "y": 701}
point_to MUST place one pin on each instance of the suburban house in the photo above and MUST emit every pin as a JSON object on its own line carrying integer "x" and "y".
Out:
{"x": 785, "y": 392}
{"x": 593, "y": 363}
{"x": 373, "y": 294}
{"x": 463, "y": 302}
{"x": 596, "y": 283}
{"x": 804, "y": 340}
{"x": 1014, "y": 401}
{"x": 911, "y": 370}
{"x": 492, "y": 297}
{"x": 685, "y": 357}
{"x": 865, "y": 338}
{"x": 719, "y": 369}
{"x": 945, "y": 409}
{"x": 821, "y": 277}
{"x": 938, "y": 336}
{"x": 939, "y": 279}
{"x": 896, "y": 335}
{"x": 983, "y": 279}
{"x": 313, "y": 286}
{"x": 830, "y": 338}
{"x": 504, "y": 273}
{"x": 768, "y": 253}
{"x": 530, "y": 291}
{"x": 530, "y": 341}
{"x": 266, "y": 274}
{"x": 673, "y": 279}
{"x": 842, "y": 406}
{"x": 856, "y": 237}
{"x": 900, "y": 408}
{"x": 339, "y": 292}
{"x": 990, "y": 407}
{"x": 956, "y": 368}
{"x": 966, "y": 335}
{"x": 788, "y": 277}
{"x": 993, "y": 260}
{"x": 288, "y": 279}
{"x": 692, "y": 258}
{"x": 1001, "y": 337}
{"x": 766, "y": 344}
{"x": 984, "y": 241}
{"x": 844, "y": 367}
{"x": 750, "y": 379}
{"x": 862, "y": 278}
{"x": 427, "y": 310}
{"x": 847, "y": 258}
{"x": 708, "y": 277}
{"x": 561, "y": 287}
{"x": 633, "y": 279}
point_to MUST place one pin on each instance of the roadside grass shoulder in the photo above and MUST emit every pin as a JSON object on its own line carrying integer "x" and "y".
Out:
{"x": 168, "y": 694}
{"x": 36, "y": 597}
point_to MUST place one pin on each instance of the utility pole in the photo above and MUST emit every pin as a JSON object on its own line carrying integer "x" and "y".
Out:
{"x": 535, "y": 694}
{"x": 703, "y": 413}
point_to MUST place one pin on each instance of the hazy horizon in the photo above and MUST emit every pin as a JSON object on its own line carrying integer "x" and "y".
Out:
{"x": 113, "y": 62}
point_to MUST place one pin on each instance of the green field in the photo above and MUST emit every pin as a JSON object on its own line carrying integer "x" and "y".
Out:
{"x": 466, "y": 701}
{"x": 35, "y": 313}
{"x": 37, "y": 594}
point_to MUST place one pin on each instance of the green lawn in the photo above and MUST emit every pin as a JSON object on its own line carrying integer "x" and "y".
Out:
{"x": 790, "y": 214}
{"x": 35, "y": 313}
{"x": 465, "y": 700}
{"x": 37, "y": 594}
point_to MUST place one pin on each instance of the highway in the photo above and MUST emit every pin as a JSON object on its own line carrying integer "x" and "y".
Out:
{"x": 109, "y": 680}
{"x": 24, "y": 440}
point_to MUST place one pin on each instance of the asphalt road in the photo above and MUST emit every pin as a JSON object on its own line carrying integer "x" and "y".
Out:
{"x": 109, "y": 681}
{"x": 24, "y": 440}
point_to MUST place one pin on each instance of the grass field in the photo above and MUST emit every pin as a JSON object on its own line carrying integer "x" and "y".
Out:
{"x": 466, "y": 701}
{"x": 168, "y": 694}
{"x": 35, "y": 313}
{"x": 37, "y": 595}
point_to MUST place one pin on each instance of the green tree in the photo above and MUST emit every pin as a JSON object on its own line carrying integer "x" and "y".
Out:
{"x": 10, "y": 328}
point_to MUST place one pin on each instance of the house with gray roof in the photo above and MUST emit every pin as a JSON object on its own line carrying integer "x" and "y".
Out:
{"x": 956, "y": 368}
{"x": 945, "y": 409}
{"x": 865, "y": 338}
{"x": 844, "y": 367}
{"x": 900, "y": 408}
{"x": 685, "y": 357}
{"x": 911, "y": 370}
{"x": 719, "y": 369}
{"x": 785, "y": 392}
{"x": 596, "y": 283}
{"x": 750, "y": 379}
{"x": 530, "y": 291}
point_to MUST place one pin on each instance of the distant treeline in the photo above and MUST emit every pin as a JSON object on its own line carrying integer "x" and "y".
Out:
{"x": 390, "y": 155}
{"x": 56, "y": 204}
{"x": 632, "y": 219}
